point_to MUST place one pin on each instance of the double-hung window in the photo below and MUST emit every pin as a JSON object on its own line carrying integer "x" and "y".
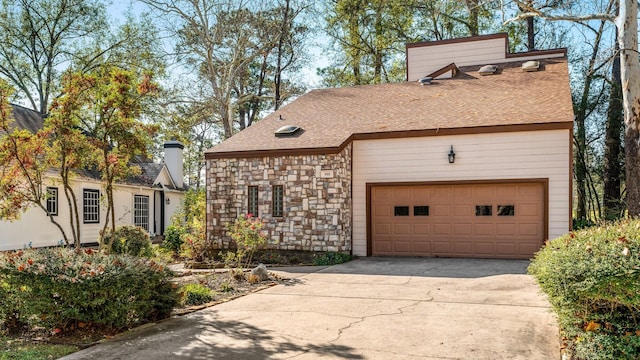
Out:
{"x": 90, "y": 206}
{"x": 141, "y": 211}
{"x": 52, "y": 200}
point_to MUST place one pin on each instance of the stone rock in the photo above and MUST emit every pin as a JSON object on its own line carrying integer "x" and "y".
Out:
{"x": 261, "y": 272}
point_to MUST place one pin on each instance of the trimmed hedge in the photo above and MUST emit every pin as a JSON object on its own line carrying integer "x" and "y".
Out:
{"x": 57, "y": 288}
{"x": 592, "y": 278}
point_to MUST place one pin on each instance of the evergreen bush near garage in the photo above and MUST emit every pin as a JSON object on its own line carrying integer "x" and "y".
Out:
{"x": 173, "y": 238}
{"x": 331, "y": 258}
{"x": 592, "y": 278}
{"x": 61, "y": 288}
{"x": 130, "y": 240}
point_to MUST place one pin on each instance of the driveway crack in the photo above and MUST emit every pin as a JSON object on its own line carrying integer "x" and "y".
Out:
{"x": 399, "y": 311}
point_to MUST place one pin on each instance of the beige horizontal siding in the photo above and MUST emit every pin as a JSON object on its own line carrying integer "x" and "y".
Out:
{"x": 422, "y": 61}
{"x": 517, "y": 155}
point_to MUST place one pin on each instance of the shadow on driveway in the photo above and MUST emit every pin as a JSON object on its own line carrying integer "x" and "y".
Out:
{"x": 203, "y": 335}
{"x": 418, "y": 266}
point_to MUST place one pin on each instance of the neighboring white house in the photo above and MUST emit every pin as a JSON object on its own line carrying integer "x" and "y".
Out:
{"x": 462, "y": 160}
{"x": 147, "y": 200}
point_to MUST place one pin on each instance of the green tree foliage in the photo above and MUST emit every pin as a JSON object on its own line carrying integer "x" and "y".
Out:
{"x": 24, "y": 163}
{"x": 108, "y": 108}
{"x": 95, "y": 125}
{"x": 237, "y": 52}
{"x": 368, "y": 41}
{"x": 40, "y": 40}
{"x": 626, "y": 21}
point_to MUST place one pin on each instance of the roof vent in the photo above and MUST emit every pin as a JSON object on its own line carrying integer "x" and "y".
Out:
{"x": 531, "y": 66}
{"x": 425, "y": 80}
{"x": 287, "y": 130}
{"x": 488, "y": 70}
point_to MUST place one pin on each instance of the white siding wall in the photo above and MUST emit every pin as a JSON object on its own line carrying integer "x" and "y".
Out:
{"x": 35, "y": 229}
{"x": 424, "y": 60}
{"x": 516, "y": 155}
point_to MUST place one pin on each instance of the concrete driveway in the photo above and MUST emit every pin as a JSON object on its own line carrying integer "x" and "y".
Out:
{"x": 371, "y": 308}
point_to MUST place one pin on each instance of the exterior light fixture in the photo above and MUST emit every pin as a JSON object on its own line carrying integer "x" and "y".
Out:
{"x": 168, "y": 201}
{"x": 452, "y": 156}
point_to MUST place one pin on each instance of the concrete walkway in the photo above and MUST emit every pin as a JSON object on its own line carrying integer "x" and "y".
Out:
{"x": 372, "y": 308}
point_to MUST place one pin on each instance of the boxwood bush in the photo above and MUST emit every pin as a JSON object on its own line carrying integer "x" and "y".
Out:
{"x": 592, "y": 278}
{"x": 59, "y": 288}
{"x": 128, "y": 239}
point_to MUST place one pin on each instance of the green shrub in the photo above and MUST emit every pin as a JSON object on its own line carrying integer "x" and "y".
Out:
{"x": 246, "y": 233}
{"x": 592, "y": 278}
{"x": 130, "y": 240}
{"x": 172, "y": 238}
{"x": 195, "y": 294}
{"x": 331, "y": 258}
{"x": 57, "y": 287}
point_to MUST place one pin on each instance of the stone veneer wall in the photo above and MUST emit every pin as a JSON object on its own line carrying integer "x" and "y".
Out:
{"x": 317, "y": 199}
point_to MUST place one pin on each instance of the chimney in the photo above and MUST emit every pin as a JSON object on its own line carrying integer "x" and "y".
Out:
{"x": 173, "y": 160}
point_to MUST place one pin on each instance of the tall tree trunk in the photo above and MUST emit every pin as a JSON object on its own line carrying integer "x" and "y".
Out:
{"x": 531, "y": 36}
{"x": 473, "y": 8}
{"x": 277, "y": 101}
{"x": 580, "y": 136}
{"x": 627, "y": 23}
{"x": 612, "y": 167}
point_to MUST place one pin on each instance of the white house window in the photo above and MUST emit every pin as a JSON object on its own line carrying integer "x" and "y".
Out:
{"x": 52, "y": 200}
{"x": 252, "y": 201}
{"x": 91, "y": 206}
{"x": 141, "y": 211}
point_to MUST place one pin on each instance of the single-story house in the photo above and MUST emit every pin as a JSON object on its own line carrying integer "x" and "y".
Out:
{"x": 147, "y": 200}
{"x": 461, "y": 160}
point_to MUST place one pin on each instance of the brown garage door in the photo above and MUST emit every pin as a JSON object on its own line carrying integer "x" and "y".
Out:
{"x": 475, "y": 220}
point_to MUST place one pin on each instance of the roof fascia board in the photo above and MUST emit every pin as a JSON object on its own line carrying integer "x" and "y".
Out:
{"x": 562, "y": 125}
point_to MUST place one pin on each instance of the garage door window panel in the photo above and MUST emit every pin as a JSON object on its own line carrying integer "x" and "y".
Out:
{"x": 506, "y": 210}
{"x": 401, "y": 211}
{"x": 484, "y": 210}
{"x": 421, "y": 210}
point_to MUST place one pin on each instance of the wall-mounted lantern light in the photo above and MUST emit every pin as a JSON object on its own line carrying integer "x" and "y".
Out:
{"x": 168, "y": 201}
{"x": 452, "y": 156}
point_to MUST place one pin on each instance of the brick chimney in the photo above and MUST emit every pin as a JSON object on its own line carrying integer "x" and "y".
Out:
{"x": 173, "y": 158}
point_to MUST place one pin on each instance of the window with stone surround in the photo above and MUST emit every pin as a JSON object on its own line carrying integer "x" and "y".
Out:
{"x": 252, "y": 201}
{"x": 278, "y": 201}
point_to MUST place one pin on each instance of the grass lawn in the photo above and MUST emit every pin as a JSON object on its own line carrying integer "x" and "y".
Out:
{"x": 15, "y": 349}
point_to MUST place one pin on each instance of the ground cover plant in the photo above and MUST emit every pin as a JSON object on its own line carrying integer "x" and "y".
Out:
{"x": 20, "y": 349}
{"x": 592, "y": 278}
{"x": 331, "y": 258}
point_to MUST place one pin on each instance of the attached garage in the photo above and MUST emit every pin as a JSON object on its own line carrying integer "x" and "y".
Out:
{"x": 462, "y": 163}
{"x": 477, "y": 219}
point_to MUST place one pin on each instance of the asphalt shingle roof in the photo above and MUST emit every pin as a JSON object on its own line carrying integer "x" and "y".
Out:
{"x": 330, "y": 117}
